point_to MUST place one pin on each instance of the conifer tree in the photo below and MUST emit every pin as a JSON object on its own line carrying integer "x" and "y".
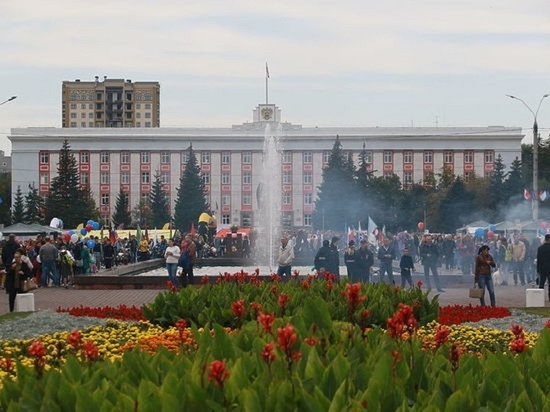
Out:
{"x": 160, "y": 207}
{"x": 5, "y": 198}
{"x": 18, "y": 212}
{"x": 34, "y": 206}
{"x": 495, "y": 193}
{"x": 190, "y": 201}
{"x": 456, "y": 207}
{"x": 122, "y": 214}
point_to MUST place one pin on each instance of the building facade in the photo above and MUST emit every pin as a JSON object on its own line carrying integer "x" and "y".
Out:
{"x": 110, "y": 103}
{"x": 231, "y": 159}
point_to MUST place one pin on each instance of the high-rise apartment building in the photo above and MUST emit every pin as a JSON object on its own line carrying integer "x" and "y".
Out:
{"x": 110, "y": 103}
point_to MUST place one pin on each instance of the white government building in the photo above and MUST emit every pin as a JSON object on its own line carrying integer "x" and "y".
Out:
{"x": 230, "y": 159}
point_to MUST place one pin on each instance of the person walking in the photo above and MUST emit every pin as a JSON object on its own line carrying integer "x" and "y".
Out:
{"x": 406, "y": 265}
{"x": 351, "y": 260}
{"x": 285, "y": 259}
{"x": 333, "y": 261}
{"x": 17, "y": 272}
{"x": 365, "y": 261}
{"x": 172, "y": 255}
{"x": 322, "y": 256}
{"x": 188, "y": 254}
{"x": 518, "y": 256}
{"x": 483, "y": 277}
{"x": 49, "y": 255}
{"x": 386, "y": 255}
{"x": 543, "y": 263}
{"x": 430, "y": 256}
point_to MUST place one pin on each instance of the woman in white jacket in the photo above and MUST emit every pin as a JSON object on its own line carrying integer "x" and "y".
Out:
{"x": 172, "y": 255}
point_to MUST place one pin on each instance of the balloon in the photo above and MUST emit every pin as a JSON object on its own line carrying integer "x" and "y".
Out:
{"x": 88, "y": 228}
{"x": 490, "y": 234}
{"x": 67, "y": 237}
{"x": 420, "y": 225}
{"x": 479, "y": 232}
{"x": 71, "y": 232}
{"x": 83, "y": 231}
{"x": 492, "y": 228}
{"x": 90, "y": 222}
{"x": 74, "y": 238}
{"x": 544, "y": 224}
{"x": 91, "y": 243}
{"x": 95, "y": 225}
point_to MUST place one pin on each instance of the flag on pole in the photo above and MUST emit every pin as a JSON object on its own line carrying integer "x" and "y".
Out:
{"x": 526, "y": 194}
{"x": 138, "y": 234}
{"x": 266, "y": 71}
{"x": 543, "y": 195}
{"x": 359, "y": 227}
{"x": 112, "y": 235}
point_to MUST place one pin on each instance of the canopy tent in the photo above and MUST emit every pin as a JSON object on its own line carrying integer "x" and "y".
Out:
{"x": 472, "y": 227}
{"x": 222, "y": 233}
{"x": 23, "y": 229}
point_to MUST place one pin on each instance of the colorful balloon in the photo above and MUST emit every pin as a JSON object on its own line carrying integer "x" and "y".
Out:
{"x": 83, "y": 231}
{"x": 95, "y": 225}
{"x": 490, "y": 234}
{"x": 88, "y": 228}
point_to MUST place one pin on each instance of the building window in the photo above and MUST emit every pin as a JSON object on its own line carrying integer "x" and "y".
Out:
{"x": 104, "y": 157}
{"x": 226, "y": 158}
{"x": 308, "y": 178}
{"x": 388, "y": 156}
{"x": 165, "y": 178}
{"x": 138, "y": 115}
{"x": 205, "y": 178}
{"x": 82, "y": 124}
{"x": 489, "y": 156}
{"x": 145, "y": 178}
{"x": 226, "y": 178}
{"x": 44, "y": 179}
{"x": 205, "y": 158}
{"x": 308, "y": 198}
{"x": 468, "y": 156}
{"x": 44, "y": 158}
{"x": 73, "y": 106}
{"x": 447, "y": 157}
{"x": 326, "y": 157}
{"x": 148, "y": 96}
{"x": 84, "y": 179}
{"x": 307, "y": 220}
{"x": 247, "y": 178}
{"x": 148, "y": 115}
{"x": 147, "y": 124}
{"x": 226, "y": 219}
{"x": 184, "y": 157}
{"x": 407, "y": 156}
{"x": 407, "y": 178}
{"x": 226, "y": 200}
{"x": 165, "y": 157}
{"x": 146, "y": 197}
{"x": 73, "y": 115}
{"x": 287, "y": 157}
{"x": 287, "y": 177}
{"x": 124, "y": 157}
{"x": 467, "y": 176}
{"x": 90, "y": 124}
{"x": 104, "y": 179}
{"x": 308, "y": 157}
{"x": 246, "y": 157}
{"x": 125, "y": 178}
{"x": 287, "y": 198}
{"x": 145, "y": 157}
{"x": 105, "y": 198}
{"x": 428, "y": 156}
{"x": 82, "y": 115}
{"x": 247, "y": 199}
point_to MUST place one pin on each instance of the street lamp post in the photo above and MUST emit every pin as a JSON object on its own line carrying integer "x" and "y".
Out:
{"x": 535, "y": 194}
{"x": 8, "y": 100}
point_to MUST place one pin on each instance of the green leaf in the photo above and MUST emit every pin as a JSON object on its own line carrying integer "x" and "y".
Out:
{"x": 250, "y": 401}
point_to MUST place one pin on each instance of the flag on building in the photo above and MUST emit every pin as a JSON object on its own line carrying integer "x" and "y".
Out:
{"x": 527, "y": 194}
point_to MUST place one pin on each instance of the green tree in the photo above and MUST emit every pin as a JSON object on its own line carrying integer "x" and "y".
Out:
{"x": 338, "y": 197}
{"x": 456, "y": 207}
{"x": 190, "y": 200}
{"x": 34, "y": 206}
{"x": 496, "y": 194}
{"x": 160, "y": 206}
{"x": 18, "y": 211}
{"x": 142, "y": 214}
{"x": 446, "y": 178}
{"x": 385, "y": 197}
{"x": 122, "y": 215}
{"x": 5, "y": 198}
{"x": 66, "y": 199}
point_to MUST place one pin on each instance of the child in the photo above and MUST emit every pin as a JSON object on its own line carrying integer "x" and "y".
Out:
{"x": 406, "y": 265}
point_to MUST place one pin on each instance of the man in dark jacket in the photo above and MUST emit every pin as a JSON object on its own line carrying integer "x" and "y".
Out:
{"x": 9, "y": 250}
{"x": 543, "y": 263}
{"x": 366, "y": 260}
{"x": 430, "y": 254}
{"x": 322, "y": 256}
{"x": 333, "y": 262}
{"x": 386, "y": 255}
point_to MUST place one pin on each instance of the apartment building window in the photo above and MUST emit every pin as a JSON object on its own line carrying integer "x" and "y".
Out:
{"x": 247, "y": 157}
{"x": 226, "y": 158}
{"x": 73, "y": 106}
{"x": 469, "y": 156}
{"x": 44, "y": 179}
{"x": 90, "y": 115}
{"x": 165, "y": 157}
{"x": 308, "y": 157}
{"x": 307, "y": 220}
{"x": 407, "y": 156}
{"x": 489, "y": 156}
{"x": 90, "y": 124}
{"x": 247, "y": 178}
{"x": 388, "y": 156}
{"x": 428, "y": 156}
{"x": 247, "y": 199}
{"x": 138, "y": 115}
{"x": 226, "y": 178}
{"x": 145, "y": 178}
{"x": 205, "y": 178}
{"x": 226, "y": 219}
{"x": 104, "y": 178}
{"x": 287, "y": 157}
{"x": 148, "y": 115}
{"x": 90, "y": 106}
{"x": 184, "y": 157}
{"x": 205, "y": 158}
{"x": 124, "y": 157}
{"x": 84, "y": 179}
{"x": 287, "y": 177}
{"x": 44, "y": 158}
{"x": 147, "y": 124}
{"x": 73, "y": 115}
{"x": 448, "y": 157}
{"x": 226, "y": 200}
{"x": 125, "y": 178}
{"x": 105, "y": 199}
{"x": 82, "y": 124}
{"x": 308, "y": 178}
{"x": 326, "y": 157}
{"x": 73, "y": 124}
{"x": 147, "y": 105}
{"x": 287, "y": 199}
{"x": 165, "y": 178}
{"x": 407, "y": 178}
{"x": 145, "y": 157}
{"x": 145, "y": 197}
{"x": 104, "y": 157}
{"x": 99, "y": 96}
{"x": 308, "y": 198}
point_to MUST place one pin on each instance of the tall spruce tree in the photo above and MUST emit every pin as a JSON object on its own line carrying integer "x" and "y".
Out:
{"x": 5, "y": 198}
{"x": 18, "y": 212}
{"x": 66, "y": 199}
{"x": 338, "y": 197}
{"x": 122, "y": 215}
{"x": 190, "y": 201}
{"x": 160, "y": 207}
{"x": 34, "y": 206}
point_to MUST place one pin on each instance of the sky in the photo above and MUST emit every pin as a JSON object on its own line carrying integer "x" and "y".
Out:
{"x": 368, "y": 63}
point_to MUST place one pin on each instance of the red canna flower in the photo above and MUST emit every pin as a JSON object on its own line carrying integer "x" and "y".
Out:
{"x": 283, "y": 300}
{"x": 306, "y": 283}
{"x": 517, "y": 330}
{"x": 7, "y": 365}
{"x": 419, "y": 284}
{"x": 255, "y": 307}
{"x": 238, "y": 308}
{"x": 276, "y": 278}
{"x": 365, "y": 313}
{"x": 205, "y": 280}
{"x": 295, "y": 273}
{"x": 441, "y": 335}
{"x": 547, "y": 323}
{"x": 455, "y": 352}
{"x": 37, "y": 349}
{"x": 90, "y": 351}
{"x": 286, "y": 337}
{"x": 218, "y": 373}
{"x": 75, "y": 339}
{"x": 171, "y": 286}
{"x": 329, "y": 285}
{"x": 518, "y": 345}
{"x": 266, "y": 320}
{"x": 396, "y": 356}
{"x": 268, "y": 353}
{"x": 311, "y": 341}
{"x": 403, "y": 323}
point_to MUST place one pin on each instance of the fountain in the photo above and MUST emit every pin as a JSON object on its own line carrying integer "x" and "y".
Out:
{"x": 268, "y": 224}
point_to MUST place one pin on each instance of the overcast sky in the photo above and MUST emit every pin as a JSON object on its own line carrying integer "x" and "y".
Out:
{"x": 332, "y": 63}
